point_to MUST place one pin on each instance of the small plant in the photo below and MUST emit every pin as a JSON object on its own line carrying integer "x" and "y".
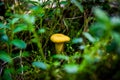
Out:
{"x": 93, "y": 50}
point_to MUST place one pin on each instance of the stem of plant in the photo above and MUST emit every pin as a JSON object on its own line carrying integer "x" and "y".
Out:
{"x": 39, "y": 44}
{"x": 21, "y": 62}
{"x": 11, "y": 38}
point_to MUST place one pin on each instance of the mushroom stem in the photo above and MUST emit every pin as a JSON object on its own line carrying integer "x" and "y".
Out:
{"x": 59, "y": 47}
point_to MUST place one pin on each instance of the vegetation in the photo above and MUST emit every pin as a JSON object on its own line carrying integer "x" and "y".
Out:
{"x": 27, "y": 53}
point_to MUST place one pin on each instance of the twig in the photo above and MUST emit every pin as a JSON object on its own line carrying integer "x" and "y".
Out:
{"x": 74, "y": 17}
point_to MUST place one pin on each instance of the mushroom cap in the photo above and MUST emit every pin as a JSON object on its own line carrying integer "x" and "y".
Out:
{"x": 59, "y": 38}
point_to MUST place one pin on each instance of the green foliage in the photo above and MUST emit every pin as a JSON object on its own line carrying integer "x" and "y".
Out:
{"x": 89, "y": 37}
{"x": 20, "y": 27}
{"x": 78, "y": 4}
{"x": 101, "y": 15}
{"x": 5, "y": 57}
{"x": 40, "y": 65}
{"x": 18, "y": 43}
{"x": 61, "y": 57}
{"x": 71, "y": 68}
{"x": 26, "y": 51}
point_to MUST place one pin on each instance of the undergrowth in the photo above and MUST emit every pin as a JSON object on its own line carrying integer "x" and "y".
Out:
{"x": 26, "y": 52}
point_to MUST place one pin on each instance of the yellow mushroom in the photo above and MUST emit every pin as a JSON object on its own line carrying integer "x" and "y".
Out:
{"x": 59, "y": 40}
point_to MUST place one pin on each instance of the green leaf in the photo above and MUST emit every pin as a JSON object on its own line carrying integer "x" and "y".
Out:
{"x": 2, "y": 31}
{"x": 14, "y": 20}
{"x": 40, "y": 65}
{"x": 19, "y": 43}
{"x": 41, "y": 30}
{"x": 2, "y": 25}
{"x": 115, "y": 21}
{"x": 81, "y": 47}
{"x": 116, "y": 37}
{"x": 61, "y": 57}
{"x": 29, "y": 19}
{"x": 25, "y": 54}
{"x": 77, "y": 40}
{"x": 101, "y": 15}
{"x": 5, "y": 57}
{"x": 56, "y": 63}
{"x": 88, "y": 58}
{"x": 34, "y": 40}
{"x": 64, "y": 2}
{"x": 98, "y": 30}
{"x": 112, "y": 46}
{"x": 38, "y": 11}
{"x": 89, "y": 37}
{"x": 76, "y": 55}
{"x": 78, "y": 4}
{"x": 71, "y": 68}
{"x": 7, "y": 74}
{"x": 20, "y": 27}
{"x": 4, "y": 38}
